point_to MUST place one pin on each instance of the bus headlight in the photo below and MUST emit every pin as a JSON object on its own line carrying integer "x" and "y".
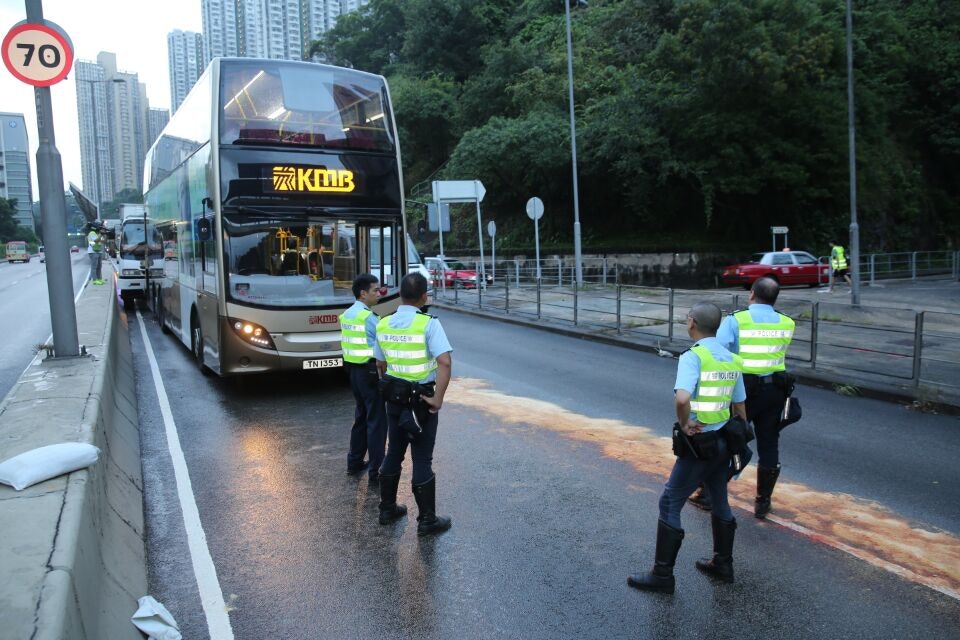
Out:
{"x": 252, "y": 333}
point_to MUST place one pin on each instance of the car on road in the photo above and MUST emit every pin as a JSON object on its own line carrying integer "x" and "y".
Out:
{"x": 786, "y": 267}
{"x": 74, "y": 249}
{"x": 453, "y": 273}
{"x": 41, "y": 253}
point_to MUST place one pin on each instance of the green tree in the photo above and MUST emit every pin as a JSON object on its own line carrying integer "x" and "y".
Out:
{"x": 8, "y": 220}
{"x": 369, "y": 39}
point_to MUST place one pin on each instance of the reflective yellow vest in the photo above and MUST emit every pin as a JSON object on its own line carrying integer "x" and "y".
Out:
{"x": 353, "y": 337}
{"x": 763, "y": 345}
{"x": 406, "y": 349}
{"x": 715, "y": 388}
{"x": 839, "y": 260}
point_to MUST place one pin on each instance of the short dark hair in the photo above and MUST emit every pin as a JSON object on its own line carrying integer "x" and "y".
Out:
{"x": 766, "y": 290}
{"x": 362, "y": 283}
{"x": 412, "y": 287}
{"x": 707, "y": 316}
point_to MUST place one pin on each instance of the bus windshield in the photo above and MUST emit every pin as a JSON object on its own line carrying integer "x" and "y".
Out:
{"x": 303, "y": 105}
{"x": 296, "y": 262}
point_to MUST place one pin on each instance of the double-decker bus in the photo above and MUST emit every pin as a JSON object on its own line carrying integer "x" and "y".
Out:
{"x": 272, "y": 187}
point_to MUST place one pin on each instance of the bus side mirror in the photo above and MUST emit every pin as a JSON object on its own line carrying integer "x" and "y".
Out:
{"x": 203, "y": 229}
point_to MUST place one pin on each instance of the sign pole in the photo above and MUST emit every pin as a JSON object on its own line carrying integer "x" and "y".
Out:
{"x": 437, "y": 200}
{"x": 53, "y": 213}
{"x": 536, "y": 239}
{"x": 476, "y": 195}
{"x": 492, "y": 230}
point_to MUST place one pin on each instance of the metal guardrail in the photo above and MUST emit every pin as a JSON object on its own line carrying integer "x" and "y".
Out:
{"x": 561, "y": 271}
{"x": 901, "y": 345}
{"x": 911, "y": 264}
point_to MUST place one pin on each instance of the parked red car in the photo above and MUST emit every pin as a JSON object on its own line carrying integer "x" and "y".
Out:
{"x": 456, "y": 273}
{"x": 787, "y": 267}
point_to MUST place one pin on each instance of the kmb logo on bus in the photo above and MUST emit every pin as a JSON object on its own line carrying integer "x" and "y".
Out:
{"x": 312, "y": 179}
{"x": 325, "y": 319}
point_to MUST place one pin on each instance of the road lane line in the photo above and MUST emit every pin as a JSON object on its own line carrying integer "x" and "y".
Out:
{"x": 862, "y": 528}
{"x": 211, "y": 594}
{"x": 39, "y": 355}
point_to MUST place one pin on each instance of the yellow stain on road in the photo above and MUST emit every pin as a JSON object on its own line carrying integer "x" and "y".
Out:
{"x": 862, "y": 528}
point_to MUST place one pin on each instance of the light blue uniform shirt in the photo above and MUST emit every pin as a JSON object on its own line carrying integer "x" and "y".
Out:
{"x": 437, "y": 343}
{"x": 370, "y": 324}
{"x": 688, "y": 375}
{"x": 729, "y": 332}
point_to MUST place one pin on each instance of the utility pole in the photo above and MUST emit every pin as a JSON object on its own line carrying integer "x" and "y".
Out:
{"x": 851, "y": 129}
{"x": 573, "y": 153}
{"x": 53, "y": 213}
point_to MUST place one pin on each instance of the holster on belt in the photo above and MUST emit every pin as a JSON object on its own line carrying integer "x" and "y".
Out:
{"x": 701, "y": 446}
{"x": 408, "y": 395}
{"x": 403, "y": 392}
{"x": 738, "y": 433}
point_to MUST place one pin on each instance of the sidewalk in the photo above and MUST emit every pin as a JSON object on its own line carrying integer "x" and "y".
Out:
{"x": 902, "y": 342}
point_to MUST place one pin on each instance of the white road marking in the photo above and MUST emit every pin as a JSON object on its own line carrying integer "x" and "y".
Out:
{"x": 37, "y": 358}
{"x": 211, "y": 594}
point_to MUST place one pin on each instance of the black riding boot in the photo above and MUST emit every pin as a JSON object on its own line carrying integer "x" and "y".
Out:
{"x": 428, "y": 520}
{"x": 389, "y": 509}
{"x": 701, "y": 499}
{"x": 661, "y": 577}
{"x": 720, "y": 566}
{"x": 766, "y": 481}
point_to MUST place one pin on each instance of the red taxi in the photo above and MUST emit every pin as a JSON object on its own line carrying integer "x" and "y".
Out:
{"x": 454, "y": 273}
{"x": 786, "y": 267}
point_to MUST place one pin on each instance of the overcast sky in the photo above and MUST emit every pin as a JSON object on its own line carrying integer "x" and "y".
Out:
{"x": 133, "y": 29}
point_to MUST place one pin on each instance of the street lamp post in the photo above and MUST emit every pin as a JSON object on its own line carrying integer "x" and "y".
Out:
{"x": 573, "y": 150}
{"x": 854, "y": 227}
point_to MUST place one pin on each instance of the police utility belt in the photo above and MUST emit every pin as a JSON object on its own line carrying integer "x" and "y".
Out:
{"x": 779, "y": 379}
{"x": 404, "y": 392}
{"x": 706, "y": 446}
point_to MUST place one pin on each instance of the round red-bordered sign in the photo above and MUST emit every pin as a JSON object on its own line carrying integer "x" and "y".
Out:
{"x": 38, "y": 54}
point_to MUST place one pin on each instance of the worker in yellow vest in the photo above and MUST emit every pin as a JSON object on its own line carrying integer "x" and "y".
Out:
{"x": 708, "y": 390}
{"x": 838, "y": 262}
{"x": 95, "y": 253}
{"x": 358, "y": 334}
{"x": 413, "y": 355}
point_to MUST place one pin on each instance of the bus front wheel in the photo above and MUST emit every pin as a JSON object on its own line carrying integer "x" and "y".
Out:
{"x": 197, "y": 345}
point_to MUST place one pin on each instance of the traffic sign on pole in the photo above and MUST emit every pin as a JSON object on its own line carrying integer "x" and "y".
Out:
{"x": 535, "y": 212}
{"x": 38, "y": 54}
{"x": 534, "y": 208}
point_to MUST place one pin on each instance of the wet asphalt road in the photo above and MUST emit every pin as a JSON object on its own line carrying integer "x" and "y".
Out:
{"x": 25, "y": 313}
{"x": 546, "y": 526}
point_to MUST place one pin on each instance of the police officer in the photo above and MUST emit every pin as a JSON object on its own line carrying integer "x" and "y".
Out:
{"x": 413, "y": 354}
{"x": 761, "y": 335}
{"x": 708, "y": 385}
{"x": 838, "y": 262}
{"x": 95, "y": 254}
{"x": 358, "y": 331}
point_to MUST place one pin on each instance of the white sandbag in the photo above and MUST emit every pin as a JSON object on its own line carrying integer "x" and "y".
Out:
{"x": 47, "y": 462}
{"x": 154, "y": 620}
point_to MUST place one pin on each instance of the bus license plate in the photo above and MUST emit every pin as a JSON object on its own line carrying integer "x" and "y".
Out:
{"x": 323, "y": 363}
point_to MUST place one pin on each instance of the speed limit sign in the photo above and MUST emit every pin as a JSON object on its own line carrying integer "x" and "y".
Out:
{"x": 38, "y": 54}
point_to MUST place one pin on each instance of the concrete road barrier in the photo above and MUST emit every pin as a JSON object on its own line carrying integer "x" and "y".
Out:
{"x": 72, "y": 561}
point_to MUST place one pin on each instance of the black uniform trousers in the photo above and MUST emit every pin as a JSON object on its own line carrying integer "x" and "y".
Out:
{"x": 764, "y": 406}
{"x": 369, "y": 431}
{"x": 421, "y": 448}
